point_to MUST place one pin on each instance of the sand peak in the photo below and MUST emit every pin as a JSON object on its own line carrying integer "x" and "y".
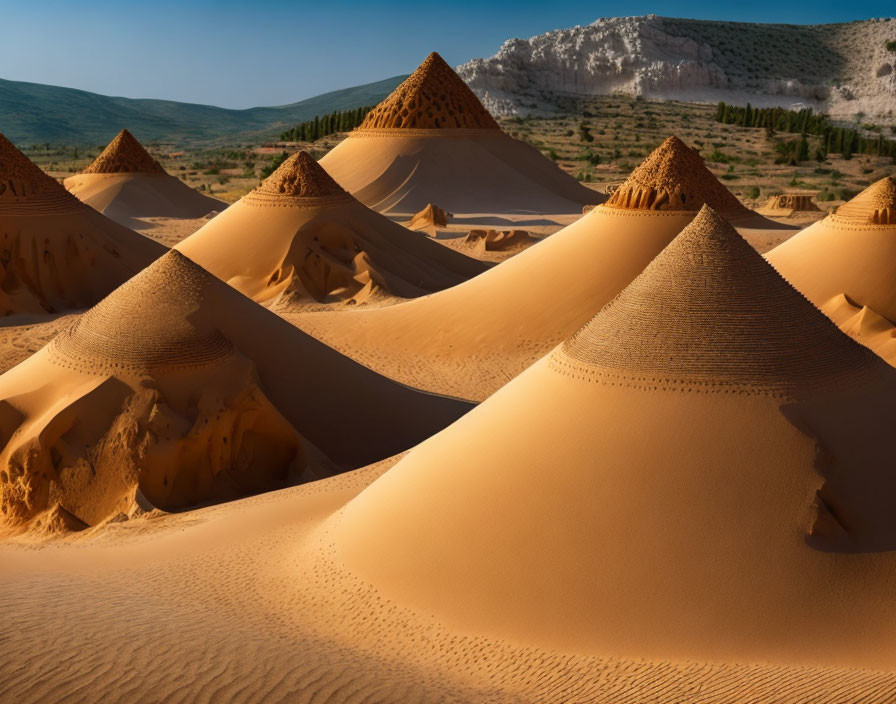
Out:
{"x": 21, "y": 177}
{"x": 153, "y": 320}
{"x": 432, "y": 97}
{"x": 300, "y": 176}
{"x": 673, "y": 177}
{"x": 124, "y": 154}
{"x": 876, "y": 205}
{"x": 709, "y": 307}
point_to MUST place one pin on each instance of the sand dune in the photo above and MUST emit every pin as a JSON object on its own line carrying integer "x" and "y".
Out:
{"x": 177, "y": 389}
{"x": 125, "y": 183}
{"x": 847, "y": 262}
{"x": 300, "y": 237}
{"x": 471, "y": 339}
{"x": 431, "y": 141}
{"x": 58, "y": 254}
{"x": 617, "y": 524}
{"x": 703, "y": 471}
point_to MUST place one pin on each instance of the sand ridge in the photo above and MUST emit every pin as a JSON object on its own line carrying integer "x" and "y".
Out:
{"x": 433, "y": 97}
{"x": 124, "y": 154}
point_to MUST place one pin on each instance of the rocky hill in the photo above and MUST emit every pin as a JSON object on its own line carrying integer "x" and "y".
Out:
{"x": 841, "y": 68}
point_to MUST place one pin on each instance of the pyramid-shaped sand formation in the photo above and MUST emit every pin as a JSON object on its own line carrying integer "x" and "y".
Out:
{"x": 432, "y": 141}
{"x": 433, "y": 97}
{"x": 176, "y": 389}
{"x": 125, "y": 183}
{"x": 124, "y": 154}
{"x": 703, "y": 472}
{"x": 300, "y": 237}
{"x": 56, "y": 253}
{"x": 846, "y": 265}
{"x": 471, "y": 339}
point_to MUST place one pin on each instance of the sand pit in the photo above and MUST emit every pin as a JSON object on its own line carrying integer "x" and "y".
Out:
{"x": 300, "y": 238}
{"x": 617, "y": 524}
{"x": 471, "y": 339}
{"x": 846, "y": 265}
{"x": 176, "y": 389}
{"x": 126, "y": 184}
{"x": 431, "y": 141}
{"x": 56, "y": 253}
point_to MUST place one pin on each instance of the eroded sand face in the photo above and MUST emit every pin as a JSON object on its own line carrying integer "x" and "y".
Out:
{"x": 177, "y": 390}
{"x": 300, "y": 239}
{"x": 846, "y": 265}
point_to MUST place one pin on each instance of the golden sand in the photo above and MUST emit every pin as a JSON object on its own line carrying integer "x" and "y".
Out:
{"x": 124, "y": 154}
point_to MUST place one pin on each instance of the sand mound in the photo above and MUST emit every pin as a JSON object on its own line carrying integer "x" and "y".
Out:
{"x": 876, "y": 205}
{"x": 702, "y": 473}
{"x": 55, "y": 253}
{"x": 177, "y": 388}
{"x": 788, "y": 204}
{"x": 432, "y": 141}
{"x": 495, "y": 241}
{"x": 300, "y": 176}
{"x": 432, "y": 97}
{"x": 124, "y": 154}
{"x": 125, "y": 183}
{"x": 852, "y": 254}
{"x": 300, "y": 238}
{"x": 470, "y": 340}
{"x": 431, "y": 216}
{"x": 673, "y": 177}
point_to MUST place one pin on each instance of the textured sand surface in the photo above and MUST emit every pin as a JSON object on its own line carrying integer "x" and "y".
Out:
{"x": 471, "y": 339}
{"x": 788, "y": 205}
{"x": 300, "y": 238}
{"x": 431, "y": 141}
{"x": 56, "y": 253}
{"x": 846, "y": 265}
{"x": 538, "y": 550}
{"x": 175, "y": 390}
{"x": 126, "y": 184}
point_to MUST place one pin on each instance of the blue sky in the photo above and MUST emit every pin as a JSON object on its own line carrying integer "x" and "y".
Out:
{"x": 240, "y": 54}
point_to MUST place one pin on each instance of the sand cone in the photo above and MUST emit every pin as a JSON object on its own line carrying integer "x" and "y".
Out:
{"x": 432, "y": 140}
{"x": 847, "y": 261}
{"x": 687, "y": 477}
{"x": 300, "y": 237}
{"x": 431, "y": 217}
{"x": 125, "y": 183}
{"x": 470, "y": 340}
{"x": 56, "y": 254}
{"x": 181, "y": 388}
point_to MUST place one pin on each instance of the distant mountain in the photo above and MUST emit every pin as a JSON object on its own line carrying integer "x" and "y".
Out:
{"x": 840, "y": 68}
{"x": 33, "y": 113}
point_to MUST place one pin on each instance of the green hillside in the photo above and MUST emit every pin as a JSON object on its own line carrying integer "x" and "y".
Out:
{"x": 34, "y": 113}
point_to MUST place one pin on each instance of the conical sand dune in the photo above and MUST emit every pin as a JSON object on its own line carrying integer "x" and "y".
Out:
{"x": 847, "y": 262}
{"x": 299, "y": 236}
{"x": 57, "y": 254}
{"x": 179, "y": 389}
{"x": 125, "y": 183}
{"x": 470, "y": 340}
{"x": 703, "y": 472}
{"x": 432, "y": 141}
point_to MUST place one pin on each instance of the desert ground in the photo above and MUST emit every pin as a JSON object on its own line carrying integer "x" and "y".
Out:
{"x": 310, "y": 422}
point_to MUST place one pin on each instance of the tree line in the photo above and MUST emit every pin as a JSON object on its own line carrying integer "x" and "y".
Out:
{"x": 323, "y": 125}
{"x": 833, "y": 139}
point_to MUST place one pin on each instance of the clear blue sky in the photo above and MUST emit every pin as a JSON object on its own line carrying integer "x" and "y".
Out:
{"x": 241, "y": 54}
